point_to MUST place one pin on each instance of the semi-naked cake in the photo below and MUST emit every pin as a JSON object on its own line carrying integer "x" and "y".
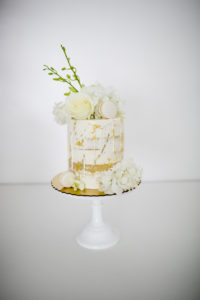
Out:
{"x": 95, "y": 146}
{"x": 95, "y": 118}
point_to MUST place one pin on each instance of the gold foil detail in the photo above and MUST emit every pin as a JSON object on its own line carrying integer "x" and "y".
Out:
{"x": 80, "y": 143}
{"x": 95, "y": 128}
{"x": 102, "y": 150}
{"x": 78, "y": 166}
{"x": 122, "y": 138}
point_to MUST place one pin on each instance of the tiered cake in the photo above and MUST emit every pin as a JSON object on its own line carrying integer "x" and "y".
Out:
{"x": 94, "y": 146}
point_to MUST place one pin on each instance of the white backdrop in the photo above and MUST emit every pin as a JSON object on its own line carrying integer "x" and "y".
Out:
{"x": 147, "y": 50}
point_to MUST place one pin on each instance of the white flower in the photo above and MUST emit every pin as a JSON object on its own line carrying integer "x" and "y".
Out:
{"x": 78, "y": 185}
{"x": 80, "y": 106}
{"x": 60, "y": 113}
{"x": 67, "y": 178}
{"x": 121, "y": 177}
{"x": 94, "y": 98}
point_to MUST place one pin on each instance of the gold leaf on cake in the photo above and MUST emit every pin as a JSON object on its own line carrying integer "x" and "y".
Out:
{"x": 78, "y": 166}
{"x": 95, "y": 127}
{"x": 80, "y": 143}
{"x": 103, "y": 148}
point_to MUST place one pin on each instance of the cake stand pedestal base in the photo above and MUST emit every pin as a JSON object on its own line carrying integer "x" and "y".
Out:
{"x": 97, "y": 235}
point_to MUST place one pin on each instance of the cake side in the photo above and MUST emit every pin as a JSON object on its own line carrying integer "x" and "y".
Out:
{"x": 94, "y": 146}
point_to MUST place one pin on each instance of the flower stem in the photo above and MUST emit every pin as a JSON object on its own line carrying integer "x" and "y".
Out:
{"x": 71, "y": 67}
{"x": 60, "y": 78}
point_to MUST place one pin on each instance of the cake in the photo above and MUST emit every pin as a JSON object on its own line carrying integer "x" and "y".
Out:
{"x": 94, "y": 147}
{"x": 95, "y": 120}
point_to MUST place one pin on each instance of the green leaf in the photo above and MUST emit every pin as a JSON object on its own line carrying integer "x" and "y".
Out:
{"x": 68, "y": 76}
{"x": 73, "y": 89}
{"x": 63, "y": 69}
{"x": 50, "y": 73}
{"x": 57, "y": 79}
{"x": 67, "y": 94}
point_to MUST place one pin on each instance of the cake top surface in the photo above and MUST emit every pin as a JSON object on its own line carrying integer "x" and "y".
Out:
{"x": 96, "y": 121}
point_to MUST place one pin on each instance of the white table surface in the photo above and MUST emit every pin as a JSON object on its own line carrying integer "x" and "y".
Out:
{"x": 157, "y": 258}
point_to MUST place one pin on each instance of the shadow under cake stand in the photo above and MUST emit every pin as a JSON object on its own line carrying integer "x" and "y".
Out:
{"x": 97, "y": 234}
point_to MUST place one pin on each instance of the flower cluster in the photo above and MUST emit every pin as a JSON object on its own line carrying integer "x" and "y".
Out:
{"x": 68, "y": 179}
{"x": 83, "y": 102}
{"x": 91, "y": 102}
{"x": 123, "y": 176}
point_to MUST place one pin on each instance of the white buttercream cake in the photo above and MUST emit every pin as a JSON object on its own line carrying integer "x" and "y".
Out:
{"x": 94, "y": 147}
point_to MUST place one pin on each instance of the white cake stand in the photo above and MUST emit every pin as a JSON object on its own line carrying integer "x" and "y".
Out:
{"x": 97, "y": 234}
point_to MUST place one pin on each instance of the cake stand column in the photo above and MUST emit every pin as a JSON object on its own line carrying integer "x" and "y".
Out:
{"x": 97, "y": 235}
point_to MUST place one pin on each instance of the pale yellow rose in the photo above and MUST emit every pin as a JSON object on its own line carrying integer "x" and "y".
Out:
{"x": 80, "y": 106}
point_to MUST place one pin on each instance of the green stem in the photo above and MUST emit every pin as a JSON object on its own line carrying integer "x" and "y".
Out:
{"x": 71, "y": 68}
{"x": 59, "y": 76}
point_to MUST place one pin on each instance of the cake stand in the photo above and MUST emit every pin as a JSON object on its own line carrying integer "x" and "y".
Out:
{"x": 97, "y": 234}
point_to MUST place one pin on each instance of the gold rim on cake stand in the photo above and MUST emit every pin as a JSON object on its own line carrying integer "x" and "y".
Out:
{"x": 86, "y": 192}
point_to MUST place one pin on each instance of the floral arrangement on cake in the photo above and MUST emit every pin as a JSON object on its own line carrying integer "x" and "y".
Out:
{"x": 93, "y": 102}
{"x": 83, "y": 102}
{"x": 124, "y": 176}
